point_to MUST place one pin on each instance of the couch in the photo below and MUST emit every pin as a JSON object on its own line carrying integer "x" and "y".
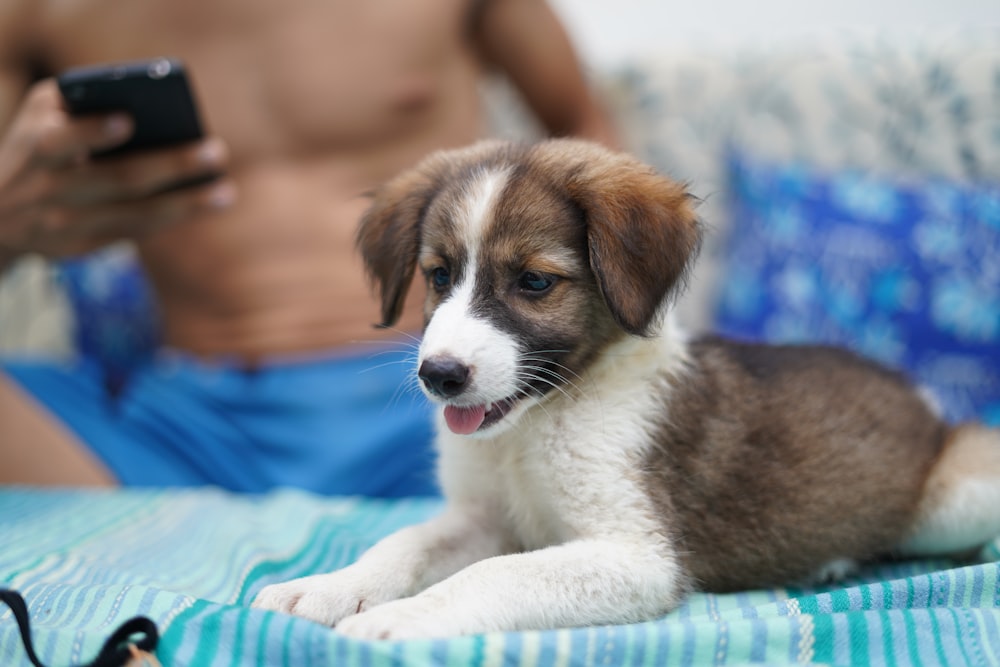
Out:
{"x": 850, "y": 188}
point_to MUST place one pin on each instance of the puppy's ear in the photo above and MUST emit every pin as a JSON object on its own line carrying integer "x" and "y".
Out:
{"x": 642, "y": 231}
{"x": 389, "y": 234}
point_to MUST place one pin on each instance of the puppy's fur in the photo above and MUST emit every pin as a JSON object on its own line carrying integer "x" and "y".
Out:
{"x": 597, "y": 463}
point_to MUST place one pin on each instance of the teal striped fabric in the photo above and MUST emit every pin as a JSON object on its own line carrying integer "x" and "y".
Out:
{"x": 193, "y": 559}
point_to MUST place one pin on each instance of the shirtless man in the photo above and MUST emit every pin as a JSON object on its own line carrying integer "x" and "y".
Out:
{"x": 309, "y": 104}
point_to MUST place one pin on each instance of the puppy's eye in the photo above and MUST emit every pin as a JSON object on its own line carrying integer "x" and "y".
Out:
{"x": 532, "y": 281}
{"x": 440, "y": 278}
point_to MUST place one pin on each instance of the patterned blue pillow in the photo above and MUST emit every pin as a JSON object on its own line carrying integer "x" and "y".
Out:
{"x": 117, "y": 322}
{"x": 906, "y": 273}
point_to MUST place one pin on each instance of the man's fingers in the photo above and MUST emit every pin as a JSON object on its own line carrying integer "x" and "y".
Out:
{"x": 141, "y": 174}
{"x": 62, "y": 199}
{"x": 63, "y": 141}
{"x": 55, "y": 138}
{"x": 62, "y": 231}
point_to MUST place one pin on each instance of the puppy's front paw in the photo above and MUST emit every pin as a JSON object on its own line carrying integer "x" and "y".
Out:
{"x": 410, "y": 618}
{"x": 324, "y": 598}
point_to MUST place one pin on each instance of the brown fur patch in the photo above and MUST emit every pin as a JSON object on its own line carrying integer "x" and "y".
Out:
{"x": 642, "y": 232}
{"x": 773, "y": 461}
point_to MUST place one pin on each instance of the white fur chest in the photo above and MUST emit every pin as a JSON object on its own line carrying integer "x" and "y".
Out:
{"x": 569, "y": 468}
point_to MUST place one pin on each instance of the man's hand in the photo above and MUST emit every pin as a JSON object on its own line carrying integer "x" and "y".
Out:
{"x": 57, "y": 201}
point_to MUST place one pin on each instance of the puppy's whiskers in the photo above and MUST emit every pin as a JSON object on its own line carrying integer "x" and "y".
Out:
{"x": 538, "y": 395}
{"x": 408, "y": 387}
{"x": 405, "y": 334}
{"x": 400, "y": 353}
{"x": 557, "y": 375}
{"x": 525, "y": 373}
{"x": 394, "y": 362}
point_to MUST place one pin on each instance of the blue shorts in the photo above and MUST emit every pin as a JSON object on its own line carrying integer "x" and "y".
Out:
{"x": 336, "y": 425}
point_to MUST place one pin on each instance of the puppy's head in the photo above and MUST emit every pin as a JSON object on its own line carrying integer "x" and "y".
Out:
{"x": 535, "y": 258}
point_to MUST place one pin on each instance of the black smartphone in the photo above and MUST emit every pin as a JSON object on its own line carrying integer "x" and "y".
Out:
{"x": 155, "y": 92}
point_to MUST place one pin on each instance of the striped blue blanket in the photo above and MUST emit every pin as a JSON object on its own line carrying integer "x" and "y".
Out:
{"x": 191, "y": 560}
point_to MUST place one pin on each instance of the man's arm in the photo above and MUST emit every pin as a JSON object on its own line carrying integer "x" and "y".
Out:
{"x": 528, "y": 43}
{"x": 16, "y": 24}
{"x": 56, "y": 202}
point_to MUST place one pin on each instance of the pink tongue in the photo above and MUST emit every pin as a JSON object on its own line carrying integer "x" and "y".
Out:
{"x": 464, "y": 421}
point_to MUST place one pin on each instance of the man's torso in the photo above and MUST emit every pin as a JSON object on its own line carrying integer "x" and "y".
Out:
{"x": 319, "y": 101}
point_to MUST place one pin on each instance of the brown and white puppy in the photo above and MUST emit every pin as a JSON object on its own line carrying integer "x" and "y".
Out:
{"x": 597, "y": 463}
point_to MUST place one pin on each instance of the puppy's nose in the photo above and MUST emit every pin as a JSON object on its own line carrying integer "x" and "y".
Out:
{"x": 444, "y": 376}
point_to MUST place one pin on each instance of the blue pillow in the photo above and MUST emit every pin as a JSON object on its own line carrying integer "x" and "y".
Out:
{"x": 116, "y": 318}
{"x": 907, "y": 273}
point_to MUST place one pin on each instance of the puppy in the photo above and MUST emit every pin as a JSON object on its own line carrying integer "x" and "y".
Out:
{"x": 598, "y": 464}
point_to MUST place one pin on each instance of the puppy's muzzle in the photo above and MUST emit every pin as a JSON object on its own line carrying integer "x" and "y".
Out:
{"x": 444, "y": 376}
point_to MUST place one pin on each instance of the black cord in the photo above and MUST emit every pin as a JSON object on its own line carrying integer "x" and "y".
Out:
{"x": 116, "y": 651}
